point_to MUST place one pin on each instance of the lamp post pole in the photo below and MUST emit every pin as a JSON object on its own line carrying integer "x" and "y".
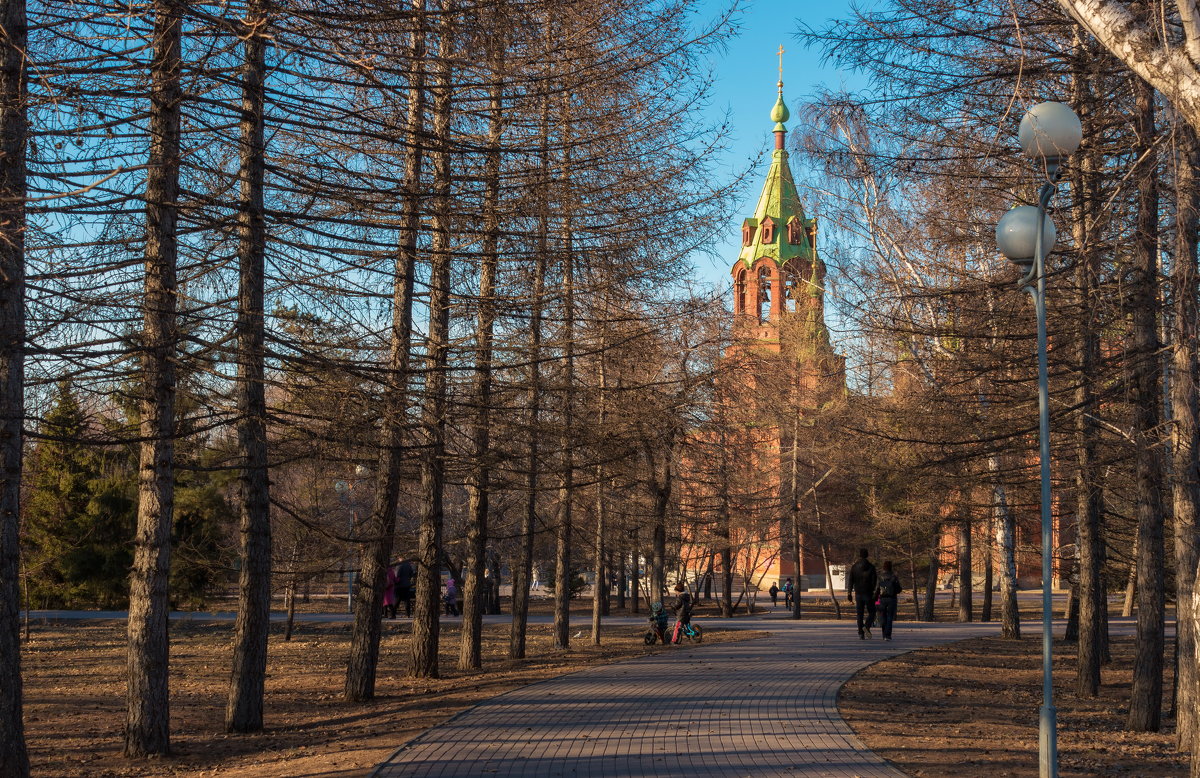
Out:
{"x": 1049, "y": 133}
{"x": 1047, "y": 720}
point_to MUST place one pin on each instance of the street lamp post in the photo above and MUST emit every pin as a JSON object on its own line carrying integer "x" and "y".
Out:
{"x": 1049, "y": 133}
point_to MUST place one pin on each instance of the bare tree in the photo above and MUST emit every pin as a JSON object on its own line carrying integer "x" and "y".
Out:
{"x": 14, "y": 760}
{"x": 147, "y": 722}
{"x": 244, "y": 707}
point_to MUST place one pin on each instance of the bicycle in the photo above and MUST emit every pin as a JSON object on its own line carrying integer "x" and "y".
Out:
{"x": 689, "y": 631}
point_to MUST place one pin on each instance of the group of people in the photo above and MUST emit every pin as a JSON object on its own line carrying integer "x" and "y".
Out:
{"x": 401, "y": 587}
{"x": 681, "y": 607}
{"x": 874, "y": 593}
{"x": 788, "y": 589}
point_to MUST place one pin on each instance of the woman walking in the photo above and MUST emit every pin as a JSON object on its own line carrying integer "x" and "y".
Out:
{"x": 887, "y": 590}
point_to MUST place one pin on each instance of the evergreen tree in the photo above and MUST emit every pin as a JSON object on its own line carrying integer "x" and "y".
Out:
{"x": 78, "y": 517}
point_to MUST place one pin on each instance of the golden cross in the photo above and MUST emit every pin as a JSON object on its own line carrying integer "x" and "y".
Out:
{"x": 781, "y": 66}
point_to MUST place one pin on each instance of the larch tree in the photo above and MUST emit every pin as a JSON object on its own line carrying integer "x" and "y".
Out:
{"x": 14, "y": 759}
{"x": 147, "y": 724}
{"x": 244, "y": 708}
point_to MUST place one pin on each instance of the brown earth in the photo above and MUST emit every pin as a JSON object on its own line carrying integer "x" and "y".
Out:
{"x": 74, "y": 696}
{"x": 970, "y": 710}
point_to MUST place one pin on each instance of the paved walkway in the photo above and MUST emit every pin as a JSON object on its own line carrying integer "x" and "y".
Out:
{"x": 757, "y": 708}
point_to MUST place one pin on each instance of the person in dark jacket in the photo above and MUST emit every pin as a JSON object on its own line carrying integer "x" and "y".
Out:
{"x": 404, "y": 586}
{"x": 887, "y": 591}
{"x": 860, "y": 590}
{"x": 682, "y": 608}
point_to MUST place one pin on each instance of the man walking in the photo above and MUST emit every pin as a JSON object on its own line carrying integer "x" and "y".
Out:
{"x": 860, "y": 590}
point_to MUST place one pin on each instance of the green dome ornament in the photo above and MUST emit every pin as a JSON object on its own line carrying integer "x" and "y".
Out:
{"x": 779, "y": 114}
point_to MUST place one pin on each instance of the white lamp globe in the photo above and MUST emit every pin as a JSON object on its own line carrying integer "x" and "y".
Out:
{"x": 1050, "y": 131}
{"x": 1016, "y": 235}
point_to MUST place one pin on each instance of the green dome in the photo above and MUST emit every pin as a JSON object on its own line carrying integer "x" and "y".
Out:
{"x": 780, "y": 112}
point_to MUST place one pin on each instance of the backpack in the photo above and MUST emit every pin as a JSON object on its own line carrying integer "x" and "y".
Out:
{"x": 889, "y": 586}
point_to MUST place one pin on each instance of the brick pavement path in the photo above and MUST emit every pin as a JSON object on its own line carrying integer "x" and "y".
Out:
{"x": 758, "y": 708}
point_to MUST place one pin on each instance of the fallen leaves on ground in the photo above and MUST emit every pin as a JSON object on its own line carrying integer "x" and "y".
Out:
{"x": 970, "y": 710}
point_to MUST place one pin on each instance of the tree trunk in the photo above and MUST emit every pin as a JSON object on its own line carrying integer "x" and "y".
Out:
{"x": 658, "y": 547}
{"x": 1010, "y": 614}
{"x": 1145, "y": 705}
{"x": 380, "y": 531}
{"x": 794, "y": 509}
{"x": 1089, "y": 510}
{"x": 1130, "y": 583}
{"x": 1072, "y": 614}
{"x": 912, "y": 571}
{"x": 289, "y": 608}
{"x": 1132, "y": 38}
{"x": 833, "y": 599}
{"x": 988, "y": 573}
{"x": 566, "y": 491}
{"x": 966, "y": 609}
{"x": 14, "y": 758}
{"x": 634, "y": 590}
{"x": 931, "y": 584}
{"x": 622, "y": 581}
{"x": 837, "y": 606}
{"x": 244, "y": 706}
{"x": 600, "y": 590}
{"x": 1185, "y": 481}
{"x": 426, "y": 613}
{"x": 479, "y": 486}
{"x": 523, "y": 574}
{"x": 147, "y": 720}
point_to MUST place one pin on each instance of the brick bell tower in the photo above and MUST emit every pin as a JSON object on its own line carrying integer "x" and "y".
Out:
{"x": 779, "y": 278}
{"x": 786, "y": 363}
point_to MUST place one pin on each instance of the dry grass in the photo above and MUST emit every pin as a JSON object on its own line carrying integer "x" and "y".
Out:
{"x": 970, "y": 710}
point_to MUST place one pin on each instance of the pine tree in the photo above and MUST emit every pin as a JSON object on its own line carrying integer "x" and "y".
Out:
{"x": 78, "y": 517}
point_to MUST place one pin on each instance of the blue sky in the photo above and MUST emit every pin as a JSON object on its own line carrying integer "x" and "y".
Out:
{"x": 745, "y": 87}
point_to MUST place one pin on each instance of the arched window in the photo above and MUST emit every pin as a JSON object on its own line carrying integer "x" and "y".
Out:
{"x": 739, "y": 292}
{"x": 764, "y": 293}
{"x": 795, "y": 231}
{"x": 748, "y": 232}
{"x": 791, "y": 289}
{"x": 768, "y": 230}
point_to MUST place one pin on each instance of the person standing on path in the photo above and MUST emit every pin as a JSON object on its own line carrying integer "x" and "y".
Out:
{"x": 860, "y": 590}
{"x": 404, "y": 586}
{"x": 774, "y": 592}
{"x": 887, "y": 590}
{"x": 389, "y": 593}
{"x": 788, "y": 588}
{"x": 683, "y": 610}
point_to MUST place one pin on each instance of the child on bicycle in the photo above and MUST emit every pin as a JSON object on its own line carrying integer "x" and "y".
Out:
{"x": 658, "y": 623}
{"x": 682, "y": 608}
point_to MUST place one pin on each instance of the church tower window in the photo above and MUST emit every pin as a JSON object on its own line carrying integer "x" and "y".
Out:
{"x": 739, "y": 293}
{"x": 768, "y": 230}
{"x": 795, "y": 231}
{"x": 791, "y": 289}
{"x": 764, "y": 294}
{"x": 748, "y": 232}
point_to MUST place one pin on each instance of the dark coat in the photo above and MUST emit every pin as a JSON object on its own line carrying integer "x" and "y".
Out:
{"x": 862, "y": 579}
{"x": 404, "y": 575}
{"x": 889, "y": 585}
{"x": 682, "y": 606}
